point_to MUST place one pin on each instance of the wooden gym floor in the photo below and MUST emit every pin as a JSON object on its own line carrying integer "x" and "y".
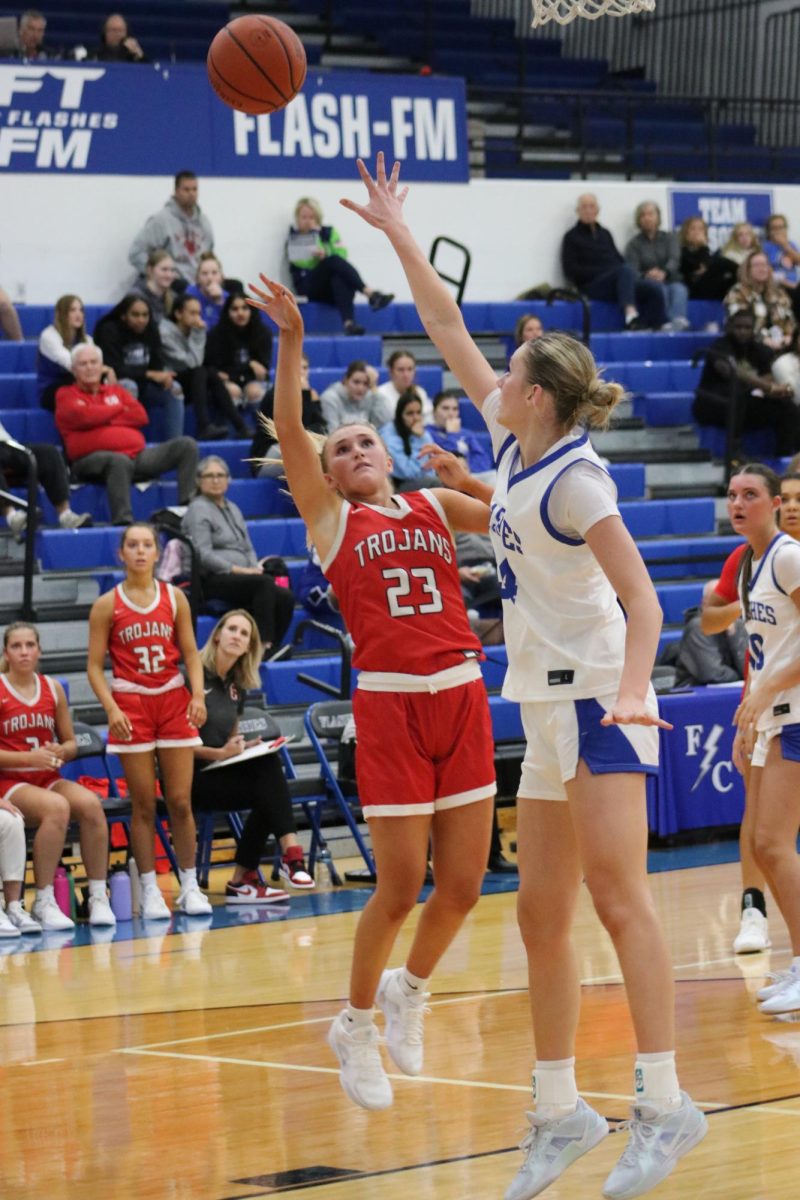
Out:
{"x": 194, "y": 1064}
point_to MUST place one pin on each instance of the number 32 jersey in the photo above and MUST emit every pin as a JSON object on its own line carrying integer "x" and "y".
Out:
{"x": 394, "y": 574}
{"x": 141, "y": 645}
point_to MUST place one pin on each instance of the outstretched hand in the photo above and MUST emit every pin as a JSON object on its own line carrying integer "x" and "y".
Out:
{"x": 449, "y": 467}
{"x": 385, "y": 205}
{"x": 278, "y": 303}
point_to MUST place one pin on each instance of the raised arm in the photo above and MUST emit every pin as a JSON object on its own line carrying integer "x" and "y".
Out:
{"x": 437, "y": 309}
{"x": 318, "y": 505}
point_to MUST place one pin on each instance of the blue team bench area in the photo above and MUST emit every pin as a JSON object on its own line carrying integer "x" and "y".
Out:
{"x": 480, "y": 317}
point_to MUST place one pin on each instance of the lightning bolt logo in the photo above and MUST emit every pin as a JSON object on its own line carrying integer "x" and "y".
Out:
{"x": 709, "y": 754}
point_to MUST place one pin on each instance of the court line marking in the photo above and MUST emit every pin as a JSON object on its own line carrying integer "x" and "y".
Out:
{"x": 318, "y": 1070}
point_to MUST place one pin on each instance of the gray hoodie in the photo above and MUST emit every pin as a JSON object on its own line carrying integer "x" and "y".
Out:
{"x": 338, "y": 409}
{"x": 185, "y": 237}
{"x": 181, "y": 351}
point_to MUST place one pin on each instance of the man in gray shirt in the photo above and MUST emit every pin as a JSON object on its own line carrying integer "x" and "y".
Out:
{"x": 180, "y": 227}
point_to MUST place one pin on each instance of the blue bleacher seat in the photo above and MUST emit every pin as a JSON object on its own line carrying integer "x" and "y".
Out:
{"x": 17, "y": 358}
{"x": 757, "y": 443}
{"x": 675, "y": 598}
{"x": 665, "y": 408}
{"x": 710, "y": 553}
{"x": 337, "y": 351}
{"x": 647, "y": 518}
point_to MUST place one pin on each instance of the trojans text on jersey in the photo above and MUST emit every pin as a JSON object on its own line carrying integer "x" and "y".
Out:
{"x": 388, "y": 541}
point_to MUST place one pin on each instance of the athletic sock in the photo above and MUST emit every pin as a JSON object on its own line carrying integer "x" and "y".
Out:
{"x": 359, "y": 1017}
{"x": 97, "y": 887}
{"x": 45, "y": 893}
{"x": 555, "y": 1092}
{"x": 188, "y": 877}
{"x": 656, "y": 1080}
{"x": 147, "y": 879}
{"x": 412, "y": 985}
{"x": 754, "y": 898}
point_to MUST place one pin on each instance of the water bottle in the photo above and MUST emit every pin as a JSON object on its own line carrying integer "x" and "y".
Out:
{"x": 136, "y": 886}
{"x": 73, "y": 901}
{"x": 61, "y": 891}
{"x": 119, "y": 884}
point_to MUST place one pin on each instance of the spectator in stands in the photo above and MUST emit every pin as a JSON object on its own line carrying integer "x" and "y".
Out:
{"x": 786, "y": 367}
{"x": 32, "y": 28}
{"x": 353, "y": 399}
{"x": 741, "y": 244}
{"x": 404, "y": 438}
{"x": 56, "y": 343}
{"x": 183, "y": 337}
{"x": 738, "y": 370}
{"x": 209, "y": 288}
{"x": 767, "y": 300}
{"x": 155, "y": 285}
{"x": 654, "y": 255}
{"x": 231, "y": 658}
{"x": 446, "y": 431}
{"x": 101, "y": 426}
{"x": 131, "y": 345}
{"x": 52, "y": 475}
{"x": 265, "y": 446}
{"x": 527, "y": 329}
{"x": 180, "y": 227}
{"x": 320, "y": 270}
{"x": 782, "y": 253}
{"x": 116, "y": 42}
{"x": 230, "y": 569}
{"x": 239, "y": 348}
{"x": 592, "y": 263}
{"x": 707, "y": 276}
{"x": 9, "y": 320}
{"x": 403, "y": 375}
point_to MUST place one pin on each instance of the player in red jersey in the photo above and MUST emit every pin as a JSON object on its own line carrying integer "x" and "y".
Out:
{"x": 36, "y": 739}
{"x": 145, "y": 626}
{"x": 425, "y": 753}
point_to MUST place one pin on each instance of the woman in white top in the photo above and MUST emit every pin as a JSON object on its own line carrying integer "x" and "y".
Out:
{"x": 56, "y": 343}
{"x": 402, "y": 376}
{"x": 768, "y": 719}
{"x": 583, "y": 676}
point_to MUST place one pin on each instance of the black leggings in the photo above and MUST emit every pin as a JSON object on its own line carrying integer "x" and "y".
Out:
{"x": 203, "y": 388}
{"x": 50, "y": 469}
{"x": 334, "y": 281}
{"x": 259, "y": 783}
{"x": 271, "y": 606}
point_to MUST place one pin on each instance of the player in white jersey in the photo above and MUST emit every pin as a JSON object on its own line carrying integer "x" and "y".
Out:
{"x": 582, "y": 675}
{"x": 768, "y": 719}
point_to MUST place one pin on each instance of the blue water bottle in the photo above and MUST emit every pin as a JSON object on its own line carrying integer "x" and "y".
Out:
{"x": 119, "y": 884}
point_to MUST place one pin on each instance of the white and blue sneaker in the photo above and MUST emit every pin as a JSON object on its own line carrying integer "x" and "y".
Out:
{"x": 657, "y": 1143}
{"x": 780, "y": 979}
{"x": 553, "y": 1145}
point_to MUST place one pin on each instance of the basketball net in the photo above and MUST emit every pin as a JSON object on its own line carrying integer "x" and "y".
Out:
{"x": 564, "y": 11}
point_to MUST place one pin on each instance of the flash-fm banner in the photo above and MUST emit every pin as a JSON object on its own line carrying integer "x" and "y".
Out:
{"x": 135, "y": 120}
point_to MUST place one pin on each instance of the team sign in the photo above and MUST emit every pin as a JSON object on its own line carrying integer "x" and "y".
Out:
{"x": 721, "y": 209}
{"x": 136, "y": 120}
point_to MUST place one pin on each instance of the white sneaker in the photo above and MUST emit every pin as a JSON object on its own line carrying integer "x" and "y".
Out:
{"x": 753, "y": 935}
{"x": 7, "y": 930}
{"x": 22, "y": 920}
{"x": 404, "y": 1018}
{"x": 72, "y": 520}
{"x": 362, "y": 1075}
{"x": 16, "y": 519}
{"x": 153, "y": 906}
{"x": 49, "y": 915}
{"x": 657, "y": 1143}
{"x": 786, "y": 999}
{"x": 779, "y": 982}
{"x": 192, "y": 901}
{"x": 100, "y": 911}
{"x": 553, "y": 1145}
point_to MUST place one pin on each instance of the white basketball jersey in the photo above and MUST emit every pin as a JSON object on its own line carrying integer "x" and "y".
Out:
{"x": 773, "y": 628}
{"x": 564, "y": 628}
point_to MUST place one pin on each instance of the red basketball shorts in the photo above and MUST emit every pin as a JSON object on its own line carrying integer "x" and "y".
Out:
{"x": 421, "y": 752}
{"x": 157, "y": 722}
{"x": 9, "y": 782}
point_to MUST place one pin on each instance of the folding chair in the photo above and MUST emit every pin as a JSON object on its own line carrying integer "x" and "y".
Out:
{"x": 117, "y": 809}
{"x": 324, "y": 724}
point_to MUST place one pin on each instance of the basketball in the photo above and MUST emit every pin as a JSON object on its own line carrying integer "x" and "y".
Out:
{"x": 256, "y": 64}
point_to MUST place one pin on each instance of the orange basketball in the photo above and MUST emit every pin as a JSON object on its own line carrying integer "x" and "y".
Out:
{"x": 256, "y": 64}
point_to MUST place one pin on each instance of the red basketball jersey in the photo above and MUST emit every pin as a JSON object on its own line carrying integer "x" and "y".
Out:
{"x": 27, "y": 724}
{"x": 142, "y": 648}
{"x": 395, "y": 576}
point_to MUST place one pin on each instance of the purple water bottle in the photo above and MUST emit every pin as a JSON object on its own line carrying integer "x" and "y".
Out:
{"x": 119, "y": 884}
{"x": 61, "y": 891}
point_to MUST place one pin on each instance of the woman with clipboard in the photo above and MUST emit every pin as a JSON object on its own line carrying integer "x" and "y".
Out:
{"x": 230, "y": 659}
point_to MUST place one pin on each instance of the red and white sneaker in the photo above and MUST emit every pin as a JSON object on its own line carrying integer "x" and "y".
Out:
{"x": 293, "y": 869}
{"x": 250, "y": 891}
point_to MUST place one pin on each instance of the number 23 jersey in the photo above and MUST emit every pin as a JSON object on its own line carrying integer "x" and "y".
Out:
{"x": 394, "y": 574}
{"x": 141, "y": 645}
